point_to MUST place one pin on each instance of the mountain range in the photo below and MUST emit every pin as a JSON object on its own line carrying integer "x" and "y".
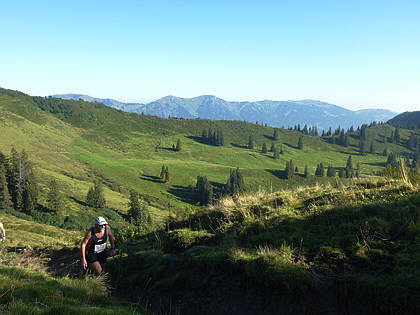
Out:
{"x": 273, "y": 113}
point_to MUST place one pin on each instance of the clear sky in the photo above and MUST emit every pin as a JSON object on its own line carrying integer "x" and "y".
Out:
{"x": 356, "y": 54}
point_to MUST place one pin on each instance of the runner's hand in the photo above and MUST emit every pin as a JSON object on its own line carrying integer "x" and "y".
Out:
{"x": 84, "y": 264}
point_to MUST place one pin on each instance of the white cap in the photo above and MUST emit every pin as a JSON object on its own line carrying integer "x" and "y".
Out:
{"x": 100, "y": 221}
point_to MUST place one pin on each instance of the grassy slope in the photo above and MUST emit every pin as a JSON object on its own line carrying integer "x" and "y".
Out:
{"x": 120, "y": 148}
{"x": 24, "y": 291}
{"x": 348, "y": 250}
{"x": 135, "y": 156}
{"x": 45, "y": 138}
{"x": 21, "y": 233}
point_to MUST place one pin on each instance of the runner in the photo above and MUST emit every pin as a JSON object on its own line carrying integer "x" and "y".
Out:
{"x": 93, "y": 246}
{"x": 2, "y": 232}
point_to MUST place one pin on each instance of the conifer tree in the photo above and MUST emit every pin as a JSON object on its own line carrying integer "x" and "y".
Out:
{"x": 98, "y": 193}
{"x": 346, "y": 140}
{"x": 250, "y": 143}
{"x": 235, "y": 183}
{"x": 204, "y": 190}
{"x": 162, "y": 172}
{"x": 134, "y": 205}
{"x": 372, "y": 148}
{"x": 264, "y": 148}
{"x": 342, "y": 173}
{"x": 54, "y": 196}
{"x": 272, "y": 147}
{"x": 363, "y": 132}
{"x": 207, "y": 193}
{"x": 349, "y": 168}
{"x": 30, "y": 195}
{"x": 204, "y": 135}
{"x": 166, "y": 175}
{"x": 322, "y": 170}
{"x": 178, "y": 146}
{"x": 300, "y": 143}
{"x": 5, "y": 200}
{"x": 95, "y": 196}
{"x": 362, "y": 147}
{"x": 138, "y": 212}
{"x": 276, "y": 154}
{"x": 349, "y": 163}
{"x": 342, "y": 137}
{"x": 412, "y": 141}
{"x": 331, "y": 171}
{"x": 220, "y": 139}
{"x": 391, "y": 138}
{"x": 306, "y": 173}
{"x": 319, "y": 170}
{"x": 276, "y": 134}
{"x": 397, "y": 137}
{"x": 290, "y": 170}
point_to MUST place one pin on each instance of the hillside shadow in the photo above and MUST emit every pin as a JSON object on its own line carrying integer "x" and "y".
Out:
{"x": 80, "y": 202}
{"x": 151, "y": 178}
{"x": 183, "y": 193}
{"x": 238, "y": 145}
{"x": 198, "y": 139}
{"x": 344, "y": 152}
{"x": 278, "y": 173}
{"x": 271, "y": 138}
{"x": 290, "y": 145}
{"x": 382, "y": 164}
{"x": 218, "y": 189}
{"x": 42, "y": 208}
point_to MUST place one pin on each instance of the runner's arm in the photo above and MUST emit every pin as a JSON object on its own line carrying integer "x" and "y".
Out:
{"x": 111, "y": 239}
{"x": 3, "y": 232}
{"x": 83, "y": 248}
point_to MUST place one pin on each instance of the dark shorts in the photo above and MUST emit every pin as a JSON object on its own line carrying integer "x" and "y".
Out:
{"x": 92, "y": 257}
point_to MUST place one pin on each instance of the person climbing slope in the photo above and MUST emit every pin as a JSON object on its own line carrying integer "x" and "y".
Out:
{"x": 93, "y": 246}
{"x": 2, "y": 232}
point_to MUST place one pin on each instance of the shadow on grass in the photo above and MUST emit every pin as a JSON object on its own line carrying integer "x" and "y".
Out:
{"x": 183, "y": 193}
{"x": 80, "y": 202}
{"x": 278, "y": 173}
{"x": 271, "y": 138}
{"x": 151, "y": 178}
{"x": 290, "y": 145}
{"x": 198, "y": 139}
{"x": 382, "y": 164}
{"x": 167, "y": 149}
{"x": 238, "y": 146}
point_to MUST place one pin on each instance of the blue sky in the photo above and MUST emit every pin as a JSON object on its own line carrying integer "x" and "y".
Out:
{"x": 356, "y": 54}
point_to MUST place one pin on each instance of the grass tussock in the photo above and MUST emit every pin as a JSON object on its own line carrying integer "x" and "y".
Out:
{"x": 334, "y": 240}
{"x": 24, "y": 291}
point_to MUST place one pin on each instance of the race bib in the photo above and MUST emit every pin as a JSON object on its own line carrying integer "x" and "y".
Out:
{"x": 99, "y": 248}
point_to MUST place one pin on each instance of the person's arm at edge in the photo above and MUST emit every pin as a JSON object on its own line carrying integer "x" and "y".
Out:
{"x": 111, "y": 240}
{"x": 3, "y": 232}
{"x": 83, "y": 248}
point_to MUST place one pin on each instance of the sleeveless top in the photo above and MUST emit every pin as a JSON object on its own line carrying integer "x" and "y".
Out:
{"x": 96, "y": 245}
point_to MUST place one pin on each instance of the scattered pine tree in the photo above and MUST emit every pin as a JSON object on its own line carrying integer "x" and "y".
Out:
{"x": 264, "y": 148}
{"x": 54, "y": 196}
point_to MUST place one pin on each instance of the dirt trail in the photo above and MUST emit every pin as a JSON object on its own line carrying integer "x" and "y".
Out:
{"x": 58, "y": 261}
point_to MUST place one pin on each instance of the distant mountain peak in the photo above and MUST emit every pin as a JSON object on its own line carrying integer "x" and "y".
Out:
{"x": 275, "y": 113}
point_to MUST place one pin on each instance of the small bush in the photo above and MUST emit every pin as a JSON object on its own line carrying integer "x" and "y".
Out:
{"x": 178, "y": 240}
